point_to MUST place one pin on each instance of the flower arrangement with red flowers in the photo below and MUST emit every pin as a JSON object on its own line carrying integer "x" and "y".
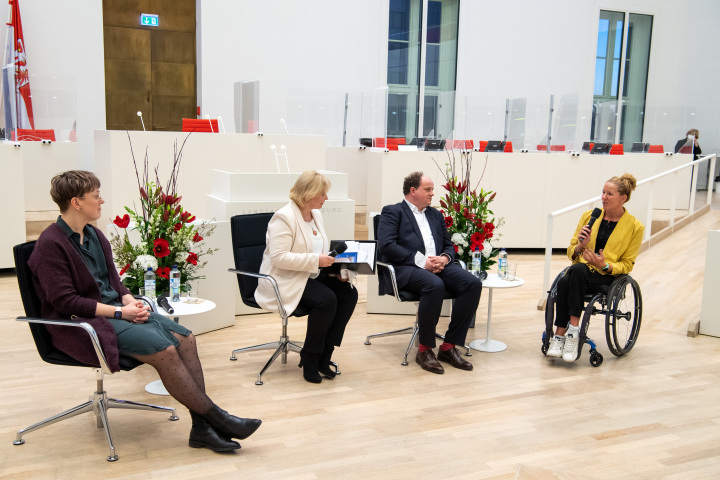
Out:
{"x": 468, "y": 218}
{"x": 168, "y": 234}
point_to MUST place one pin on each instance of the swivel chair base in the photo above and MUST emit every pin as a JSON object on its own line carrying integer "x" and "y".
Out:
{"x": 99, "y": 403}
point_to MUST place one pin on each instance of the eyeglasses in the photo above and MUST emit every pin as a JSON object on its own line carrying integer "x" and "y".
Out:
{"x": 97, "y": 197}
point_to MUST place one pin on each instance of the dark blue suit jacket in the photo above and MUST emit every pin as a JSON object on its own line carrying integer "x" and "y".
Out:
{"x": 399, "y": 238}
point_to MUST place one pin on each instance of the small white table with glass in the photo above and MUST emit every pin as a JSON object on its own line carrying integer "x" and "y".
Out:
{"x": 185, "y": 307}
{"x": 492, "y": 282}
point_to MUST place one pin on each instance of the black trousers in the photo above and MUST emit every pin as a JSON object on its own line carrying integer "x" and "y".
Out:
{"x": 331, "y": 303}
{"x": 431, "y": 288}
{"x": 571, "y": 288}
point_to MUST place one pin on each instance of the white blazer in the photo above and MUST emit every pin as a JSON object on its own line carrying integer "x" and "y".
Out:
{"x": 288, "y": 258}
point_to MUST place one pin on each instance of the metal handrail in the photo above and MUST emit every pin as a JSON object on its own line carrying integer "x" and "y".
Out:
{"x": 648, "y": 221}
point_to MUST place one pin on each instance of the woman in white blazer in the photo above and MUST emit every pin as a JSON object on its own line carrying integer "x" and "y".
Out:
{"x": 294, "y": 256}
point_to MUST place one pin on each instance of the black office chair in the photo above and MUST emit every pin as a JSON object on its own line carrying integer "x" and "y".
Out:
{"x": 99, "y": 402}
{"x": 248, "y": 241}
{"x": 388, "y": 272}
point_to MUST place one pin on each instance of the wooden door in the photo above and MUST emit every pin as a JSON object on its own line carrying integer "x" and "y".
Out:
{"x": 149, "y": 69}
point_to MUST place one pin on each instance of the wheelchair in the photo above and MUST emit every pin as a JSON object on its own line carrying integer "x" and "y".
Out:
{"x": 620, "y": 303}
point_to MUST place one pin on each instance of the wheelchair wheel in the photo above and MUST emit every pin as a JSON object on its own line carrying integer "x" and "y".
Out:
{"x": 624, "y": 314}
{"x": 596, "y": 358}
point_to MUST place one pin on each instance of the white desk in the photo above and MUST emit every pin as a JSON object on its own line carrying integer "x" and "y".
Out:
{"x": 180, "y": 309}
{"x": 490, "y": 283}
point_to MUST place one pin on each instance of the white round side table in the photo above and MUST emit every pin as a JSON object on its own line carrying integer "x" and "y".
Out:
{"x": 490, "y": 283}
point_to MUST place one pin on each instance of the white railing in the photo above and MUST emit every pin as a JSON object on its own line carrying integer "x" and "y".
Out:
{"x": 648, "y": 218}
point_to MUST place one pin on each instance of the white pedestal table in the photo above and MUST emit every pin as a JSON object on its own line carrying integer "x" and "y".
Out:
{"x": 490, "y": 283}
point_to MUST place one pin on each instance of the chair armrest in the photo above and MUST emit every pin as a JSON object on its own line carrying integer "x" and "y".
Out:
{"x": 85, "y": 326}
{"x": 273, "y": 282}
{"x": 393, "y": 279}
{"x": 462, "y": 264}
{"x": 147, "y": 301}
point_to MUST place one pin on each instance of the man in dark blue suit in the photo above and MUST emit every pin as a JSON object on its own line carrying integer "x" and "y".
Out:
{"x": 413, "y": 238}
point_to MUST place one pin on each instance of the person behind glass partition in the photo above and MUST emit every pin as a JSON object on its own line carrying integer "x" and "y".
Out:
{"x": 691, "y": 141}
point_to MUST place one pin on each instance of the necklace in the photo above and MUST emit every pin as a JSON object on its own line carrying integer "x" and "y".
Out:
{"x": 311, "y": 224}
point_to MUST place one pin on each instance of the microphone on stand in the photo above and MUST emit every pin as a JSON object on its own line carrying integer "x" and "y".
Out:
{"x": 210, "y": 122}
{"x": 139, "y": 114}
{"x": 163, "y": 302}
{"x": 221, "y": 123}
{"x": 339, "y": 248}
{"x": 593, "y": 217}
{"x": 282, "y": 120}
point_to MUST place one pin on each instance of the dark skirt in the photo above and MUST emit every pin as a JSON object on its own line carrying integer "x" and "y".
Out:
{"x": 147, "y": 338}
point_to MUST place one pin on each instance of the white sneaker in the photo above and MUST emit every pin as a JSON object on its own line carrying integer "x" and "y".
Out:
{"x": 557, "y": 343}
{"x": 570, "y": 350}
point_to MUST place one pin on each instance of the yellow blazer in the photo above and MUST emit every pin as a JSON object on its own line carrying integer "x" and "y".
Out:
{"x": 288, "y": 258}
{"x": 622, "y": 247}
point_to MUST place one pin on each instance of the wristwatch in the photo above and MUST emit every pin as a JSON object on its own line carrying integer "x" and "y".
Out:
{"x": 118, "y": 313}
{"x": 606, "y": 267}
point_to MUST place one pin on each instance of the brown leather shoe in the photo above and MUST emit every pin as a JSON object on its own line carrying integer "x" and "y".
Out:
{"x": 454, "y": 358}
{"x": 428, "y": 361}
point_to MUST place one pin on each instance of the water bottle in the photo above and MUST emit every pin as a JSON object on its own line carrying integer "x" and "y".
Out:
{"x": 150, "y": 283}
{"x": 476, "y": 265}
{"x": 502, "y": 264}
{"x": 175, "y": 284}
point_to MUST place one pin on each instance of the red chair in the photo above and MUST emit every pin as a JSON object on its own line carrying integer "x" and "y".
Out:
{"x": 508, "y": 147}
{"x": 392, "y": 143}
{"x": 482, "y": 144}
{"x": 29, "y": 135}
{"x": 656, "y": 149}
{"x": 617, "y": 149}
{"x": 461, "y": 145}
{"x": 553, "y": 148}
{"x": 200, "y": 125}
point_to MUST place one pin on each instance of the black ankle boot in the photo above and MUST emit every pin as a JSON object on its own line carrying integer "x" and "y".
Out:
{"x": 230, "y": 425}
{"x": 309, "y": 364}
{"x": 324, "y": 366}
{"x": 202, "y": 435}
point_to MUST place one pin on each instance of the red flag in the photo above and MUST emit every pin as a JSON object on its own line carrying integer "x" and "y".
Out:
{"x": 16, "y": 55}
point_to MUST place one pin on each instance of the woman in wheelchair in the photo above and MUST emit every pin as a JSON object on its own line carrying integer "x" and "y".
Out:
{"x": 75, "y": 278}
{"x": 598, "y": 255}
{"x": 294, "y": 256}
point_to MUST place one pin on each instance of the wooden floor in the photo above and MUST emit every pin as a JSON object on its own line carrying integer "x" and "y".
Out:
{"x": 518, "y": 415}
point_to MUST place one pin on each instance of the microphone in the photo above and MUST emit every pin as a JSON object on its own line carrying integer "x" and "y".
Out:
{"x": 139, "y": 114}
{"x": 282, "y": 120}
{"x": 339, "y": 248}
{"x": 593, "y": 217}
{"x": 163, "y": 302}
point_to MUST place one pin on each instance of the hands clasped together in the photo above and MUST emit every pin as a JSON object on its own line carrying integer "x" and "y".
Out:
{"x": 436, "y": 264}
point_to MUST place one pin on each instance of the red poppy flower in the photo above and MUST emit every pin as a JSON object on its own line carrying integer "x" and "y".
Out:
{"x": 177, "y": 227}
{"x": 125, "y": 269}
{"x": 448, "y": 222}
{"x": 161, "y": 248}
{"x": 477, "y": 237}
{"x": 197, "y": 238}
{"x": 122, "y": 222}
{"x": 163, "y": 272}
{"x": 192, "y": 258}
{"x": 476, "y": 246}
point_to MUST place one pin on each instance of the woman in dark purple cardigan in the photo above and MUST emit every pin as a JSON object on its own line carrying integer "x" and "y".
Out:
{"x": 76, "y": 279}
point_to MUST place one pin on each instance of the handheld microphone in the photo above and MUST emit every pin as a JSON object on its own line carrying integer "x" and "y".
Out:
{"x": 593, "y": 217}
{"x": 339, "y": 248}
{"x": 139, "y": 114}
{"x": 163, "y": 302}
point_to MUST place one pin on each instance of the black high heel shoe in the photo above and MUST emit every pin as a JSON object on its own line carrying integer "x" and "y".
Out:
{"x": 309, "y": 364}
{"x": 324, "y": 367}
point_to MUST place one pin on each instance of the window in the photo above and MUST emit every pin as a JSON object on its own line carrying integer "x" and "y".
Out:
{"x": 406, "y": 67}
{"x": 618, "y": 108}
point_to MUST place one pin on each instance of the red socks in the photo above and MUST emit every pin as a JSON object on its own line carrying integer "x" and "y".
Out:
{"x": 444, "y": 347}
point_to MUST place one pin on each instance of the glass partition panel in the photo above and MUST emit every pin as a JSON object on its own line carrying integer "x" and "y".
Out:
{"x": 515, "y": 118}
{"x": 537, "y": 121}
{"x": 53, "y": 107}
{"x": 565, "y": 123}
{"x": 666, "y": 124}
{"x": 247, "y": 106}
{"x": 604, "y": 120}
{"x": 316, "y": 113}
{"x": 379, "y": 114}
{"x": 484, "y": 119}
{"x": 356, "y": 128}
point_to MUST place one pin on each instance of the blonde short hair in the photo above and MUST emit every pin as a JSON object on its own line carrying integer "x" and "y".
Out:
{"x": 625, "y": 184}
{"x": 308, "y": 185}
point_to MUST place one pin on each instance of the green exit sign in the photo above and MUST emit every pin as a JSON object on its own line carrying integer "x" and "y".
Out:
{"x": 149, "y": 20}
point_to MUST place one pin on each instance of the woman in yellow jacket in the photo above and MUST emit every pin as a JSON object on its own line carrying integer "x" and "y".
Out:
{"x": 598, "y": 255}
